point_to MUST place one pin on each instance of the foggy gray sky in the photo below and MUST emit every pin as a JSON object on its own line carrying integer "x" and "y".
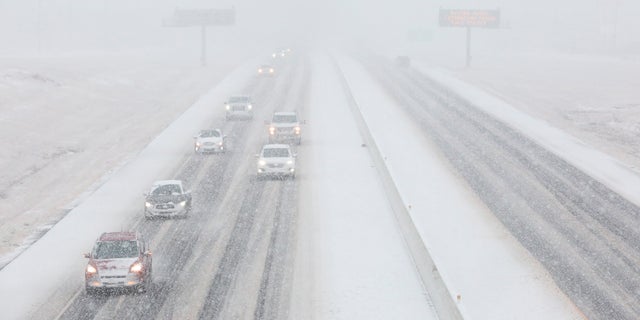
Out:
{"x": 568, "y": 25}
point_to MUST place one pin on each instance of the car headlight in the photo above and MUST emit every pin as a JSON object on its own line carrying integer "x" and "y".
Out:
{"x": 148, "y": 204}
{"x": 259, "y": 70}
{"x": 272, "y": 130}
{"x": 198, "y": 144}
{"x": 297, "y": 129}
{"x": 249, "y": 107}
{"x": 271, "y": 70}
{"x": 262, "y": 163}
{"x": 136, "y": 267}
{"x": 228, "y": 107}
{"x": 290, "y": 162}
{"x": 183, "y": 203}
{"x": 91, "y": 269}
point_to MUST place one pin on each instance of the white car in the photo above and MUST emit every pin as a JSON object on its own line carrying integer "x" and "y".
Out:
{"x": 276, "y": 160}
{"x": 211, "y": 140}
{"x": 167, "y": 198}
{"x": 284, "y": 127}
{"x": 239, "y": 107}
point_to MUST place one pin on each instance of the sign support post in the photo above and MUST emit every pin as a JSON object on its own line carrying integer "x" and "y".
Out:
{"x": 468, "y": 64}
{"x": 469, "y": 19}
{"x": 202, "y": 18}
{"x": 203, "y": 53}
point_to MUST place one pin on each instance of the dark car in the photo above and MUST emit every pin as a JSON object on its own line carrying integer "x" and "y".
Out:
{"x": 119, "y": 260}
{"x": 167, "y": 198}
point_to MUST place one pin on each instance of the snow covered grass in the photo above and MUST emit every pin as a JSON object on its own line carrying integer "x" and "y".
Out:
{"x": 68, "y": 122}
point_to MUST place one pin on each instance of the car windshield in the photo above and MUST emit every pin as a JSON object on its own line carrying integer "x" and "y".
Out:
{"x": 116, "y": 249}
{"x": 166, "y": 190}
{"x": 284, "y": 118}
{"x": 209, "y": 133}
{"x": 275, "y": 153}
{"x": 238, "y": 99}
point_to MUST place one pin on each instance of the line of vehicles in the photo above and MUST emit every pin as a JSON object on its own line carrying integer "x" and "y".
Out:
{"x": 122, "y": 260}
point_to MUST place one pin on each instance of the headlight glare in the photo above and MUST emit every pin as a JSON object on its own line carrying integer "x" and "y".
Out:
{"x": 136, "y": 267}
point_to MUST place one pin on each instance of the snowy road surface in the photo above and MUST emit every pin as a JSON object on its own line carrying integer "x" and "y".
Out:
{"x": 327, "y": 245}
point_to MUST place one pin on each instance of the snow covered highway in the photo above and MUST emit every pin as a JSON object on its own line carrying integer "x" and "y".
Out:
{"x": 508, "y": 225}
{"x": 582, "y": 231}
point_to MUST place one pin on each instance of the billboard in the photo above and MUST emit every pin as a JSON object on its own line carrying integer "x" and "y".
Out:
{"x": 470, "y": 18}
{"x": 201, "y": 17}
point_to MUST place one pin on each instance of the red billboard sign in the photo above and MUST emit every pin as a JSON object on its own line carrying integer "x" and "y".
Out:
{"x": 470, "y": 18}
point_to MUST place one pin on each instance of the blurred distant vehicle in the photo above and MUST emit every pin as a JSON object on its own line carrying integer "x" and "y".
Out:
{"x": 239, "y": 107}
{"x": 281, "y": 53}
{"x": 118, "y": 260}
{"x": 211, "y": 140}
{"x": 276, "y": 160}
{"x": 285, "y": 127}
{"x": 266, "y": 70}
{"x": 403, "y": 61}
{"x": 167, "y": 198}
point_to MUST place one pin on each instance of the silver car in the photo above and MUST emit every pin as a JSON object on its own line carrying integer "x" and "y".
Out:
{"x": 239, "y": 107}
{"x": 276, "y": 160}
{"x": 285, "y": 128}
